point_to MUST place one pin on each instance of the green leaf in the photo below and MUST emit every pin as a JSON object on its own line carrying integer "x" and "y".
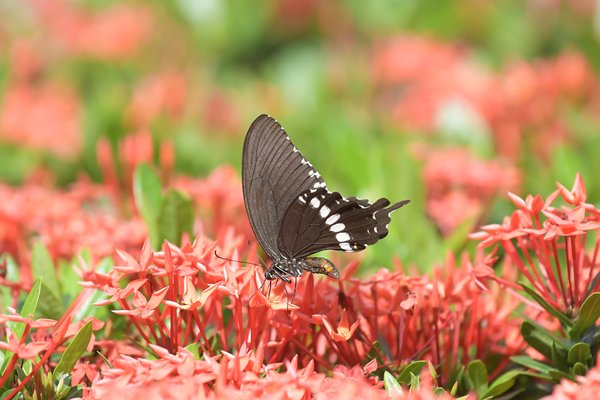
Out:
{"x": 502, "y": 383}
{"x": 194, "y": 349}
{"x": 559, "y": 375}
{"x": 414, "y": 367}
{"x": 529, "y": 362}
{"x": 592, "y": 285}
{"x": 87, "y": 308}
{"x": 477, "y": 376}
{"x": 563, "y": 318}
{"x": 392, "y": 387}
{"x": 74, "y": 350}
{"x": 579, "y": 369}
{"x": 147, "y": 191}
{"x": 176, "y": 216}
{"x": 51, "y": 304}
{"x": 588, "y": 315}
{"x": 415, "y": 382}
{"x": 539, "y": 338}
{"x": 27, "y": 311}
{"x": 579, "y": 352}
{"x": 559, "y": 357}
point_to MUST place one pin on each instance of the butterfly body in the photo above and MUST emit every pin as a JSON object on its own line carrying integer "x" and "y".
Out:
{"x": 286, "y": 268}
{"x": 292, "y": 212}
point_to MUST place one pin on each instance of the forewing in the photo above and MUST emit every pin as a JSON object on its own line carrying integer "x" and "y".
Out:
{"x": 274, "y": 174}
{"x": 319, "y": 220}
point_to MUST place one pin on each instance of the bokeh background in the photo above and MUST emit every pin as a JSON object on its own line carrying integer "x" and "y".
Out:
{"x": 448, "y": 103}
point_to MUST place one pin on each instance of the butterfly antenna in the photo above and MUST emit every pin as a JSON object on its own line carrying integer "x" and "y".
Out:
{"x": 238, "y": 261}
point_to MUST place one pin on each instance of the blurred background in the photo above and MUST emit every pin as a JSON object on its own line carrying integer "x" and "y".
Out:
{"x": 449, "y": 103}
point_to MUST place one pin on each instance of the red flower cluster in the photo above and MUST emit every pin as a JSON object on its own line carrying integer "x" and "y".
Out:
{"x": 548, "y": 245}
{"x": 111, "y": 34}
{"x": 182, "y": 296}
{"x": 65, "y": 222}
{"x": 460, "y": 187}
{"x": 524, "y": 99}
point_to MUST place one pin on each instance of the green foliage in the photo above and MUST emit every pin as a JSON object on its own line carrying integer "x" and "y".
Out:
{"x": 566, "y": 356}
{"x": 168, "y": 216}
{"x": 147, "y": 191}
{"x": 27, "y": 311}
{"x": 51, "y": 298}
{"x": 74, "y": 350}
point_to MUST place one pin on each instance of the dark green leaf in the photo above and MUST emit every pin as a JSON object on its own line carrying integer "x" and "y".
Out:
{"x": 74, "y": 350}
{"x": 563, "y": 318}
{"x": 579, "y": 352}
{"x": 176, "y": 217}
{"x": 392, "y": 387}
{"x": 539, "y": 338}
{"x": 529, "y": 362}
{"x": 414, "y": 367}
{"x": 477, "y": 376}
{"x": 588, "y": 315}
{"x": 559, "y": 356}
{"x": 147, "y": 191}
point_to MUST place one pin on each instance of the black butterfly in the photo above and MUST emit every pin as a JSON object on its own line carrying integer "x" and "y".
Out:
{"x": 293, "y": 214}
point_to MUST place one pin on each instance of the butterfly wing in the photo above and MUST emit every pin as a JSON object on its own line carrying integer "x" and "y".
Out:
{"x": 274, "y": 174}
{"x": 320, "y": 220}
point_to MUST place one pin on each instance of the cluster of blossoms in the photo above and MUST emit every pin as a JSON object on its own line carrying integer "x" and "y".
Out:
{"x": 182, "y": 296}
{"x": 548, "y": 245}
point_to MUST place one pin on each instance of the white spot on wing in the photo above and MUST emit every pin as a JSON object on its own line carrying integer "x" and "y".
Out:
{"x": 342, "y": 237}
{"x": 324, "y": 211}
{"x": 314, "y": 203}
{"x": 302, "y": 199}
{"x": 331, "y": 220}
{"x": 345, "y": 246}
{"x": 338, "y": 228}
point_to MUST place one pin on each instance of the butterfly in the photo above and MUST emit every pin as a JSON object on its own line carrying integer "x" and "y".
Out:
{"x": 293, "y": 214}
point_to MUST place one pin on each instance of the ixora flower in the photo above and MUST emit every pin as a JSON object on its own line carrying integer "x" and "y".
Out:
{"x": 548, "y": 245}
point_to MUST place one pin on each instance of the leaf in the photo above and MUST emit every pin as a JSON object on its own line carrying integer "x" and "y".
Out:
{"x": 87, "y": 308}
{"x": 414, "y": 367}
{"x": 592, "y": 285}
{"x": 194, "y": 349}
{"x": 477, "y": 376}
{"x": 579, "y": 352}
{"x": 415, "y": 382}
{"x": 563, "y": 318}
{"x": 51, "y": 304}
{"x": 74, "y": 350}
{"x": 147, "y": 191}
{"x": 579, "y": 369}
{"x": 559, "y": 375}
{"x": 27, "y": 311}
{"x": 502, "y": 383}
{"x": 529, "y": 362}
{"x": 559, "y": 357}
{"x": 392, "y": 387}
{"x": 176, "y": 217}
{"x": 588, "y": 315}
{"x": 539, "y": 338}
